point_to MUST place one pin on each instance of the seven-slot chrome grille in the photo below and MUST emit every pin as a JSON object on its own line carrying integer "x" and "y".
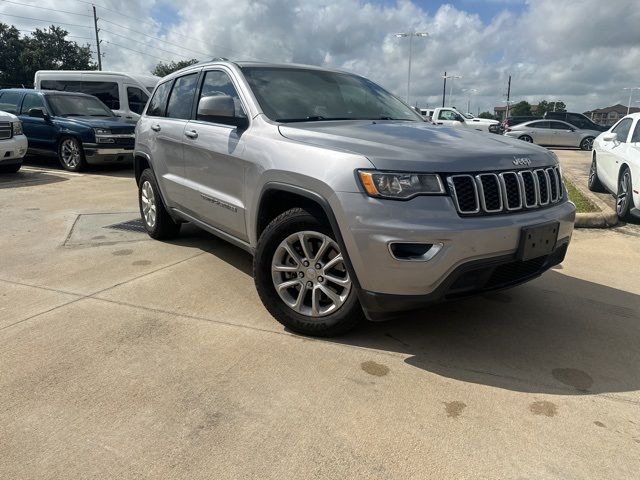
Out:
{"x": 504, "y": 192}
{"x": 5, "y": 130}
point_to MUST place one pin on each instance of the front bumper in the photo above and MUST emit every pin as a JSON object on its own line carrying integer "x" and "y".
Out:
{"x": 369, "y": 225}
{"x": 100, "y": 154}
{"x": 13, "y": 149}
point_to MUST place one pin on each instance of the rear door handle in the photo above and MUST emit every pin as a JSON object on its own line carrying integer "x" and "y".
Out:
{"x": 155, "y": 128}
{"x": 191, "y": 134}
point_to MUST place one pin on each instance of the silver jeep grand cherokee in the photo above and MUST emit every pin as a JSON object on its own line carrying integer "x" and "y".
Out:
{"x": 349, "y": 202}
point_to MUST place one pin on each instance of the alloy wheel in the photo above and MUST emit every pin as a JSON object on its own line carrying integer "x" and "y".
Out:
{"x": 593, "y": 172}
{"x": 148, "y": 198}
{"x": 623, "y": 196}
{"x": 587, "y": 143}
{"x": 309, "y": 274}
{"x": 70, "y": 153}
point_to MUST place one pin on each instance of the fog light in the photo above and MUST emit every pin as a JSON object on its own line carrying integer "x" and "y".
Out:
{"x": 414, "y": 252}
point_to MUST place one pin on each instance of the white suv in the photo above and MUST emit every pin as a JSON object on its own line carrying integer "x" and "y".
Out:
{"x": 13, "y": 143}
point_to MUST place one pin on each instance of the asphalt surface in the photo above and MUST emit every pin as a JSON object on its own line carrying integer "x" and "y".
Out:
{"x": 123, "y": 357}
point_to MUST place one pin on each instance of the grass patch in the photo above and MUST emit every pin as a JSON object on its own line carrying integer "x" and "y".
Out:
{"x": 583, "y": 204}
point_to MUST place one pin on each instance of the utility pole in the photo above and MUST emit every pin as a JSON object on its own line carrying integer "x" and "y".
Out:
{"x": 508, "y": 97}
{"x": 95, "y": 24}
{"x": 444, "y": 88}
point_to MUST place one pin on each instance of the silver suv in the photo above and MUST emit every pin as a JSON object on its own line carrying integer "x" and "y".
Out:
{"x": 351, "y": 204}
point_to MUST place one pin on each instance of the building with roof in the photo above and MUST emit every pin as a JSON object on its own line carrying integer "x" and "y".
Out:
{"x": 609, "y": 115}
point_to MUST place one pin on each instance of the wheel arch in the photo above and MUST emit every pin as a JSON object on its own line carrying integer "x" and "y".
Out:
{"x": 141, "y": 161}
{"x": 276, "y": 198}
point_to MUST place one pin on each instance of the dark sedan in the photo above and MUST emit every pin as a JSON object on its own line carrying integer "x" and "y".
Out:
{"x": 78, "y": 129}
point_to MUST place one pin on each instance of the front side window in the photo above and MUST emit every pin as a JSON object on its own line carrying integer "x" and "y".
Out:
{"x": 32, "y": 100}
{"x": 216, "y": 83}
{"x": 299, "y": 95}
{"x": 158, "y": 103}
{"x": 447, "y": 115}
{"x": 181, "y": 97}
{"x": 9, "y": 102}
{"x": 78, "y": 106}
{"x": 137, "y": 99}
{"x": 635, "y": 138}
{"x": 622, "y": 129}
{"x": 560, "y": 126}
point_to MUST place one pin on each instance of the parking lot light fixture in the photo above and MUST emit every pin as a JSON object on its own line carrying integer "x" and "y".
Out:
{"x": 410, "y": 35}
{"x": 451, "y": 77}
{"x": 631, "y": 89}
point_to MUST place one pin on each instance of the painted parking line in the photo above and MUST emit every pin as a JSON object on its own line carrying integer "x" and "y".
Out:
{"x": 51, "y": 170}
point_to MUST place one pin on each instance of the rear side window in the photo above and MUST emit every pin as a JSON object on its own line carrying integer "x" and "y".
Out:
{"x": 32, "y": 100}
{"x": 622, "y": 129}
{"x": 107, "y": 92}
{"x": 181, "y": 98}
{"x": 635, "y": 138}
{"x": 539, "y": 125}
{"x": 137, "y": 99}
{"x": 9, "y": 102}
{"x": 158, "y": 103}
{"x": 559, "y": 126}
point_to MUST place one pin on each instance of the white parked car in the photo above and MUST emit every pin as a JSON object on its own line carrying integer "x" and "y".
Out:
{"x": 13, "y": 143}
{"x": 615, "y": 165}
{"x": 124, "y": 93}
{"x": 453, "y": 118}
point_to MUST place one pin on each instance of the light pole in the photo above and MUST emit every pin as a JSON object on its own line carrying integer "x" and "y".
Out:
{"x": 470, "y": 91}
{"x": 631, "y": 89}
{"x": 451, "y": 77}
{"x": 410, "y": 35}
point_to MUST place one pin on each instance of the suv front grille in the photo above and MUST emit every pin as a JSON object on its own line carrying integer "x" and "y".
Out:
{"x": 5, "y": 130}
{"x": 504, "y": 192}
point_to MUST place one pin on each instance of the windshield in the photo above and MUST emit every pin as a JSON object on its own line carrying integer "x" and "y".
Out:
{"x": 78, "y": 106}
{"x": 468, "y": 115}
{"x": 299, "y": 95}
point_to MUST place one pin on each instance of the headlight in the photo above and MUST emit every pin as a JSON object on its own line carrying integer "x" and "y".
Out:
{"x": 102, "y": 131}
{"x": 400, "y": 185}
{"x": 17, "y": 128}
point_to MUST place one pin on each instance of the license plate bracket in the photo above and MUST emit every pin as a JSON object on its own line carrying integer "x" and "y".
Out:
{"x": 537, "y": 240}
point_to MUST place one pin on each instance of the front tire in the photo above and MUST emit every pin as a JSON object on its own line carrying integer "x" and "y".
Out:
{"x": 594, "y": 184}
{"x": 10, "y": 168}
{"x": 302, "y": 278}
{"x": 156, "y": 219}
{"x": 624, "y": 196}
{"x": 71, "y": 154}
{"x": 587, "y": 144}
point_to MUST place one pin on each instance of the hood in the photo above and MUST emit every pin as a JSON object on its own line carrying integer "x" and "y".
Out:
{"x": 115, "y": 124}
{"x": 483, "y": 121}
{"x": 7, "y": 117}
{"x": 419, "y": 147}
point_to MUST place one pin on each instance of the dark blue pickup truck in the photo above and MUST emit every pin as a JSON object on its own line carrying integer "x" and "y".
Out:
{"x": 77, "y": 128}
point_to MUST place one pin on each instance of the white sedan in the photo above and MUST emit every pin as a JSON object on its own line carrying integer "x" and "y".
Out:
{"x": 615, "y": 165}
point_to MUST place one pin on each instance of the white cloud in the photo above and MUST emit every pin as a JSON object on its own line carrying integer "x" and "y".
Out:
{"x": 583, "y": 52}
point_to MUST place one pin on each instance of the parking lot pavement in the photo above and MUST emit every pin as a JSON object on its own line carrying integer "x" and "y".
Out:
{"x": 578, "y": 162}
{"x": 123, "y": 357}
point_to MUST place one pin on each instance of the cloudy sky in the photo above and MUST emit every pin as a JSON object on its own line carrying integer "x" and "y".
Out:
{"x": 583, "y": 52}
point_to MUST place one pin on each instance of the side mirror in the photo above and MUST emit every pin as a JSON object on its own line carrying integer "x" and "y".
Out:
{"x": 38, "y": 113}
{"x": 220, "y": 109}
{"x": 610, "y": 137}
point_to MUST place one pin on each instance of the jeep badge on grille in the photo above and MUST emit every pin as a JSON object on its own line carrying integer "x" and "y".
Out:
{"x": 521, "y": 161}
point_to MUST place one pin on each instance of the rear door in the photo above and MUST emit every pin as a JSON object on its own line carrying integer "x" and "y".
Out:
{"x": 213, "y": 163}
{"x": 41, "y": 133}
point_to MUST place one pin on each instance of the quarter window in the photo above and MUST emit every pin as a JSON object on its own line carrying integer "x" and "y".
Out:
{"x": 158, "y": 103}
{"x": 9, "y": 102}
{"x": 137, "y": 99}
{"x": 181, "y": 98}
{"x": 218, "y": 83}
{"x": 31, "y": 100}
{"x": 622, "y": 129}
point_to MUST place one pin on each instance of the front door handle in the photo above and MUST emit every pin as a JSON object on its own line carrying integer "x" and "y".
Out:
{"x": 191, "y": 134}
{"x": 156, "y": 127}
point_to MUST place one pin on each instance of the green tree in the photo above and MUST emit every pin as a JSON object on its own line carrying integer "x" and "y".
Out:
{"x": 162, "y": 69}
{"x": 544, "y": 107}
{"x": 44, "y": 49}
{"x": 488, "y": 115}
{"x": 520, "y": 109}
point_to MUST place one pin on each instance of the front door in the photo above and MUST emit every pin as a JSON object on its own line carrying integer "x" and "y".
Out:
{"x": 213, "y": 162}
{"x": 564, "y": 135}
{"x": 41, "y": 133}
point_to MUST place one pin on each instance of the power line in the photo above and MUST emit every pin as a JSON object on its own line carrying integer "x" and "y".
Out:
{"x": 44, "y": 8}
{"x": 140, "y": 43}
{"x": 73, "y": 36}
{"x": 137, "y": 51}
{"x": 45, "y": 21}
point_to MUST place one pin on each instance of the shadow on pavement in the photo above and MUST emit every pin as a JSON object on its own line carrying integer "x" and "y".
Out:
{"x": 114, "y": 170}
{"x": 25, "y": 178}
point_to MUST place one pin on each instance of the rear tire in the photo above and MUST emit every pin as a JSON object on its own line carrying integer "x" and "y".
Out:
{"x": 10, "y": 168}
{"x": 156, "y": 219}
{"x": 594, "y": 184}
{"x": 624, "y": 195}
{"x": 525, "y": 138}
{"x": 303, "y": 300}
{"x": 587, "y": 144}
